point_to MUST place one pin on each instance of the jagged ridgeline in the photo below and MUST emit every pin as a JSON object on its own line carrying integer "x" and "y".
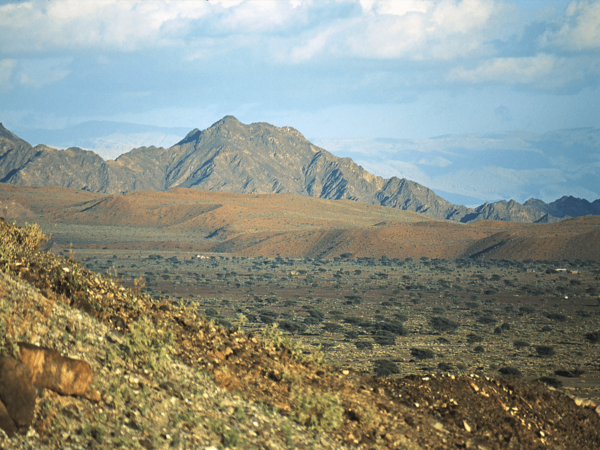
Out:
{"x": 258, "y": 158}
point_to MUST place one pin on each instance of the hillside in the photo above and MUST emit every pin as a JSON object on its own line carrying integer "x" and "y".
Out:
{"x": 145, "y": 357}
{"x": 289, "y": 225}
{"x": 233, "y": 157}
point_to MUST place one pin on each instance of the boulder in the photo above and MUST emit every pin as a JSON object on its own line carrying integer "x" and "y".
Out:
{"x": 51, "y": 370}
{"x": 17, "y": 393}
{"x": 6, "y": 423}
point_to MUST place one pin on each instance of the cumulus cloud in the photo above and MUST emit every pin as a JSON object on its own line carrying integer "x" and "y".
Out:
{"x": 417, "y": 30}
{"x": 578, "y": 30}
{"x": 543, "y": 71}
{"x": 40, "y": 25}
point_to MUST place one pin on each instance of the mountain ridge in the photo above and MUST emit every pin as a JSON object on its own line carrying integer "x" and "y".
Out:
{"x": 258, "y": 158}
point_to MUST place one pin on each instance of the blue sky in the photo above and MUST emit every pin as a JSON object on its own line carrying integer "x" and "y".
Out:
{"x": 409, "y": 69}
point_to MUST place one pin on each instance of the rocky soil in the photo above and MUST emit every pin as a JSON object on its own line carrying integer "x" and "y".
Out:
{"x": 168, "y": 377}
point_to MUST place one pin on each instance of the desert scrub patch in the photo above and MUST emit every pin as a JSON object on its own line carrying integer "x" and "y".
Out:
{"x": 317, "y": 411}
{"x": 385, "y": 368}
{"x": 421, "y": 353}
{"x": 147, "y": 344}
{"x": 545, "y": 350}
{"x": 443, "y": 324}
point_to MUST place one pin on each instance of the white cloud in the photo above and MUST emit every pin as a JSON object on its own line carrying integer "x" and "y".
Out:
{"x": 418, "y": 30}
{"x": 579, "y": 28}
{"x": 124, "y": 25}
{"x": 543, "y": 71}
{"x": 7, "y": 67}
{"x": 259, "y": 15}
{"x": 509, "y": 70}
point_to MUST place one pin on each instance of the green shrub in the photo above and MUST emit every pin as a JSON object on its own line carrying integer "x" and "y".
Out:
{"x": 473, "y": 338}
{"x": 443, "y": 324}
{"x": 318, "y": 411}
{"x": 385, "y": 368}
{"x": 510, "y": 372}
{"x": 520, "y": 344}
{"x": 363, "y": 345}
{"x": 593, "y": 337}
{"x": 422, "y": 353}
{"x": 557, "y": 317}
{"x": 383, "y": 337}
{"x": 545, "y": 350}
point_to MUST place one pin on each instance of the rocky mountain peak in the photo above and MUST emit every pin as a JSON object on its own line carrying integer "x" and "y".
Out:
{"x": 256, "y": 158}
{"x": 192, "y": 136}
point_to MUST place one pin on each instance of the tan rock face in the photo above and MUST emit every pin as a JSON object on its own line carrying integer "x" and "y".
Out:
{"x": 6, "y": 422}
{"x": 53, "y": 371}
{"x": 17, "y": 392}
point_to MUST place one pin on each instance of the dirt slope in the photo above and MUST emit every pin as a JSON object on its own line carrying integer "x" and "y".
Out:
{"x": 296, "y": 226}
{"x": 339, "y": 406}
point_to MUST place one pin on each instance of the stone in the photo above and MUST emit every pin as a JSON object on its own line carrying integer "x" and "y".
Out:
{"x": 17, "y": 392}
{"x": 6, "y": 423}
{"x": 51, "y": 370}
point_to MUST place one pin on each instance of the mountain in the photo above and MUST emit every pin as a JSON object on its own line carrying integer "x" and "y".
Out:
{"x": 229, "y": 156}
{"x": 471, "y": 169}
{"x": 566, "y": 206}
{"x": 107, "y": 139}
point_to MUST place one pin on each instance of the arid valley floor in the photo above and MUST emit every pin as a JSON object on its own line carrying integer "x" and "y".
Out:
{"x": 380, "y": 292}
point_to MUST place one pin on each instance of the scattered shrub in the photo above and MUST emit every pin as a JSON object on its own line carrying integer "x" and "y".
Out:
{"x": 593, "y": 337}
{"x": 546, "y": 329}
{"x": 472, "y": 338}
{"x": 421, "y": 353}
{"x": 363, "y": 345}
{"x": 520, "y": 344}
{"x": 575, "y": 373}
{"x": 393, "y": 326}
{"x": 330, "y": 327}
{"x": 445, "y": 367}
{"x": 487, "y": 320}
{"x": 292, "y": 327}
{"x": 556, "y": 316}
{"x": 479, "y": 349}
{"x": 318, "y": 411}
{"x": 443, "y": 324}
{"x": 351, "y": 335}
{"x": 211, "y": 312}
{"x": 510, "y": 372}
{"x": 383, "y": 337}
{"x": 385, "y": 368}
{"x": 545, "y": 350}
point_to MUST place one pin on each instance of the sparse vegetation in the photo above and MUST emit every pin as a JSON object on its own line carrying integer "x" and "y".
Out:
{"x": 386, "y": 320}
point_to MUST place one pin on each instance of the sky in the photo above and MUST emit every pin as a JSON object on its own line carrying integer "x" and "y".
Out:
{"x": 404, "y": 69}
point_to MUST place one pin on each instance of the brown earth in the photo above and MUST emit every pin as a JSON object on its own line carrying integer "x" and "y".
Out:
{"x": 414, "y": 412}
{"x": 289, "y": 225}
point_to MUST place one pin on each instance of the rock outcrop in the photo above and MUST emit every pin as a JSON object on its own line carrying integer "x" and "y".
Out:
{"x": 41, "y": 368}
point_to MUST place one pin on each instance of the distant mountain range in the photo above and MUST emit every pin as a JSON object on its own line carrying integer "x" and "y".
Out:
{"x": 471, "y": 169}
{"x": 257, "y": 158}
{"x": 108, "y": 139}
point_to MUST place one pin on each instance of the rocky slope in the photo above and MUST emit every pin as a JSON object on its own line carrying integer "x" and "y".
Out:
{"x": 146, "y": 357}
{"x": 566, "y": 206}
{"x": 229, "y": 156}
